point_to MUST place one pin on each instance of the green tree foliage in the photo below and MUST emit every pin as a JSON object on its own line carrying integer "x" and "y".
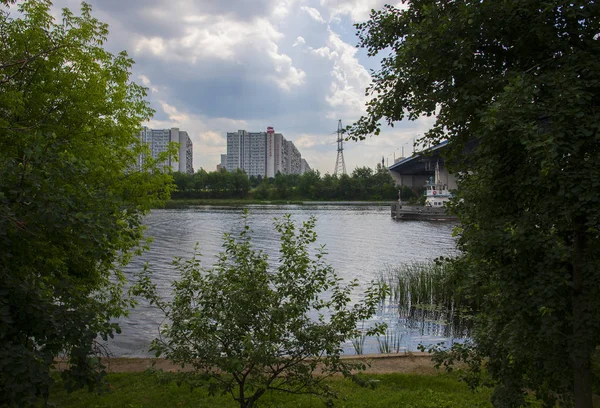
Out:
{"x": 364, "y": 184}
{"x": 248, "y": 327}
{"x": 71, "y": 195}
{"x": 218, "y": 184}
{"x": 515, "y": 88}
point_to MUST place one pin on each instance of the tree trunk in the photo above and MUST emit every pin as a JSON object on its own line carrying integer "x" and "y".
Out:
{"x": 583, "y": 383}
{"x": 581, "y": 351}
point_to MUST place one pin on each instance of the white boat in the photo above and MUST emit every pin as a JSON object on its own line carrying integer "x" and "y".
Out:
{"x": 437, "y": 196}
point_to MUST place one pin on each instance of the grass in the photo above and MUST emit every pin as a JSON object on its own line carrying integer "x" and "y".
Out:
{"x": 188, "y": 202}
{"x": 136, "y": 390}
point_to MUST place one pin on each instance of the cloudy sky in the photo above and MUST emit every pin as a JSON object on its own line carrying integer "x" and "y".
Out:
{"x": 213, "y": 66}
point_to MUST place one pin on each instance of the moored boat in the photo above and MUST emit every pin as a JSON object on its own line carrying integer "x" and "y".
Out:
{"x": 437, "y": 196}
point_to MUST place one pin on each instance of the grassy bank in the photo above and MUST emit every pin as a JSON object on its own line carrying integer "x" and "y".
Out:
{"x": 405, "y": 390}
{"x": 190, "y": 202}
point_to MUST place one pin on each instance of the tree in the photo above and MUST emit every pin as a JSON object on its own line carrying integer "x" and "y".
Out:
{"x": 183, "y": 181}
{"x": 72, "y": 195}
{"x": 310, "y": 184}
{"x": 262, "y": 192}
{"x": 281, "y": 190}
{"x": 362, "y": 177}
{"x": 384, "y": 184}
{"x": 329, "y": 186}
{"x": 515, "y": 89}
{"x": 247, "y": 327}
{"x": 345, "y": 188}
{"x": 240, "y": 184}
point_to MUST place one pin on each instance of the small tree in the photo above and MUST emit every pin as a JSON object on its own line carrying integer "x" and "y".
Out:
{"x": 249, "y": 328}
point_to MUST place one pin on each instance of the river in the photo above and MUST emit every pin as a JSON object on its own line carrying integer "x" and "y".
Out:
{"x": 361, "y": 242}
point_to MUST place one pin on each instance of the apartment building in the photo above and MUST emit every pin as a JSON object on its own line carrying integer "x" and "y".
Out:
{"x": 261, "y": 153}
{"x": 158, "y": 141}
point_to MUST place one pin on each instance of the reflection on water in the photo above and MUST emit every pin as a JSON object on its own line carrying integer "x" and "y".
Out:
{"x": 361, "y": 242}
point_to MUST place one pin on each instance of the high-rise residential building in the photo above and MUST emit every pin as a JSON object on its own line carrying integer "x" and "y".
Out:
{"x": 158, "y": 141}
{"x": 294, "y": 159}
{"x": 255, "y": 164}
{"x": 304, "y": 167}
{"x": 261, "y": 153}
{"x": 223, "y": 164}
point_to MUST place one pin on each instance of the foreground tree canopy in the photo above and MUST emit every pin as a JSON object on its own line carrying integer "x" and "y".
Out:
{"x": 515, "y": 88}
{"x": 71, "y": 193}
{"x": 247, "y": 326}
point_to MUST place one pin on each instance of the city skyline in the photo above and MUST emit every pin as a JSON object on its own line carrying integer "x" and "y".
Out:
{"x": 211, "y": 67}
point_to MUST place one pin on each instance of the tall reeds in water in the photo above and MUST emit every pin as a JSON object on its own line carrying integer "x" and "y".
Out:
{"x": 428, "y": 298}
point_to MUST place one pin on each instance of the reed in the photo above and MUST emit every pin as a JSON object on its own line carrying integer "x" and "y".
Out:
{"x": 359, "y": 344}
{"x": 390, "y": 342}
{"x": 426, "y": 293}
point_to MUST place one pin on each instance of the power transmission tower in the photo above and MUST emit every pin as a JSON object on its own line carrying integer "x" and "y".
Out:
{"x": 340, "y": 165}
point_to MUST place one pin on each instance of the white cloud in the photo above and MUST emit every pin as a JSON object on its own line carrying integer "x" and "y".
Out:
{"x": 221, "y": 38}
{"x": 324, "y": 52}
{"x": 211, "y": 65}
{"x": 174, "y": 114}
{"x": 211, "y": 138}
{"x": 308, "y": 141}
{"x": 146, "y": 82}
{"x": 357, "y": 10}
{"x": 299, "y": 41}
{"x": 313, "y": 13}
{"x": 349, "y": 78}
{"x": 282, "y": 8}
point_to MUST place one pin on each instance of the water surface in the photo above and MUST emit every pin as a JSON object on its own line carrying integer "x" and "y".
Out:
{"x": 361, "y": 241}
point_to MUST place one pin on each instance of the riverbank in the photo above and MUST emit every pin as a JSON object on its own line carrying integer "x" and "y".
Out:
{"x": 415, "y": 363}
{"x": 407, "y": 380}
{"x": 192, "y": 202}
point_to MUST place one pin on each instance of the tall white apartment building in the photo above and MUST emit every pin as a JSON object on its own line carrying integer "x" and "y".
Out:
{"x": 261, "y": 153}
{"x": 275, "y": 156}
{"x": 304, "y": 167}
{"x": 237, "y": 150}
{"x": 255, "y": 165}
{"x": 294, "y": 159}
{"x": 158, "y": 141}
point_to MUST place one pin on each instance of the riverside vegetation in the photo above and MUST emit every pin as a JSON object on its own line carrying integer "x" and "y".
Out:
{"x": 514, "y": 87}
{"x": 363, "y": 184}
{"x": 72, "y": 197}
{"x": 430, "y": 292}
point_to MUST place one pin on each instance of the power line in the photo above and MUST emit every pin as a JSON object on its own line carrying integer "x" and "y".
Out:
{"x": 340, "y": 164}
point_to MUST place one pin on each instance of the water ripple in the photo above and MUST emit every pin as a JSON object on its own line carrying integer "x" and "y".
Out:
{"x": 361, "y": 242}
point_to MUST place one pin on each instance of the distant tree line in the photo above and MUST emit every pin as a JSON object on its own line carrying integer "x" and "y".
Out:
{"x": 363, "y": 184}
